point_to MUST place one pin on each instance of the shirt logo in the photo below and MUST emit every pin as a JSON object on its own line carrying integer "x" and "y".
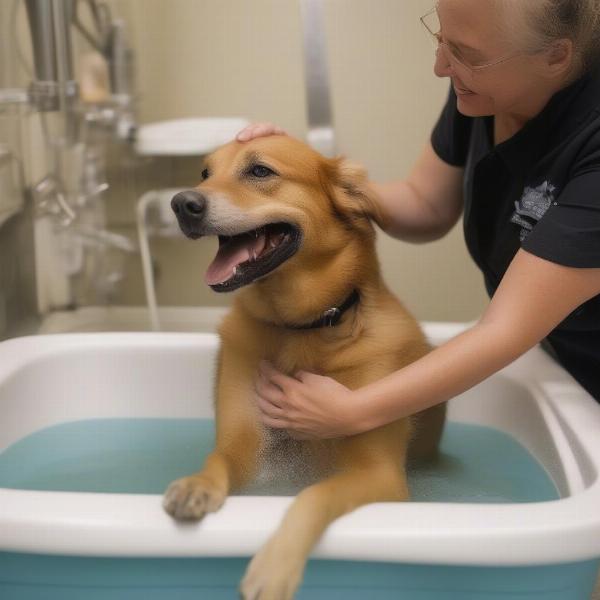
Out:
{"x": 531, "y": 207}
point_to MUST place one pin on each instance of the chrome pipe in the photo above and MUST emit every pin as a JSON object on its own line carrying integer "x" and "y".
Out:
{"x": 39, "y": 14}
{"x": 49, "y": 21}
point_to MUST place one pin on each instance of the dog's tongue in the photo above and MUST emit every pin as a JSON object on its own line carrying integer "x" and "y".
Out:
{"x": 235, "y": 251}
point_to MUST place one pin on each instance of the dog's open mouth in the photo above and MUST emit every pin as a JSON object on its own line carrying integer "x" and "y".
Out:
{"x": 245, "y": 257}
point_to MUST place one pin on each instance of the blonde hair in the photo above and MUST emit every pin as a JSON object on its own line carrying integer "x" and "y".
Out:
{"x": 550, "y": 20}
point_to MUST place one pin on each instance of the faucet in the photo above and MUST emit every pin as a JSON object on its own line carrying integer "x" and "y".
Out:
{"x": 54, "y": 89}
{"x": 74, "y": 178}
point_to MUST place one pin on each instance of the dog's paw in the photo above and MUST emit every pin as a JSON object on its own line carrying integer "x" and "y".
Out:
{"x": 272, "y": 574}
{"x": 190, "y": 498}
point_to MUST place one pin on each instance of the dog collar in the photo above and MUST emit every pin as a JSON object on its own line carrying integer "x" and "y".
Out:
{"x": 332, "y": 315}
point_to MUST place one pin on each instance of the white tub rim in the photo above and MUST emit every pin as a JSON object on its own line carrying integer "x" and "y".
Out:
{"x": 559, "y": 531}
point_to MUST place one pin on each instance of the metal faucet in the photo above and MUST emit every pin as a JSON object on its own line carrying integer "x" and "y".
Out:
{"x": 54, "y": 90}
{"x": 75, "y": 177}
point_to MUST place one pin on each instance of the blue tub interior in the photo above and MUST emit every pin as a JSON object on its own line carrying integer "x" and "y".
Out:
{"x": 478, "y": 464}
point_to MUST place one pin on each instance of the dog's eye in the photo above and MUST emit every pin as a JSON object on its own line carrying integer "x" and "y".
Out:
{"x": 261, "y": 171}
{"x": 204, "y": 174}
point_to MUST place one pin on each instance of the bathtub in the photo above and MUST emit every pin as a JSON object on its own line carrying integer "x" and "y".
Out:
{"x": 74, "y": 545}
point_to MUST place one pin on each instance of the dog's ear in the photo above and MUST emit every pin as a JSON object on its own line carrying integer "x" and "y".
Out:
{"x": 347, "y": 185}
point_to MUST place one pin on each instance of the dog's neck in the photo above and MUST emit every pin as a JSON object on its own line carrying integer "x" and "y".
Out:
{"x": 328, "y": 316}
{"x": 331, "y": 316}
{"x": 303, "y": 300}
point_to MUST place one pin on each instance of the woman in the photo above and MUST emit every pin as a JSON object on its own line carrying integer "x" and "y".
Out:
{"x": 517, "y": 149}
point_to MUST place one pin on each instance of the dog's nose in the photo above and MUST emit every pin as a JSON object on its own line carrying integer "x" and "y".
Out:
{"x": 189, "y": 203}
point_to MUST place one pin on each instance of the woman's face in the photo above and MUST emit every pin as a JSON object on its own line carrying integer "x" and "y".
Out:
{"x": 474, "y": 31}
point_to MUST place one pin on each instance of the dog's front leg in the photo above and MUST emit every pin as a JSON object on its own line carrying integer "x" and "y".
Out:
{"x": 276, "y": 570}
{"x": 234, "y": 460}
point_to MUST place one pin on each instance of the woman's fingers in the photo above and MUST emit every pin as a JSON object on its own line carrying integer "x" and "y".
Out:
{"x": 269, "y": 409}
{"x": 268, "y": 392}
{"x": 277, "y": 378}
{"x": 255, "y": 130}
{"x": 275, "y": 423}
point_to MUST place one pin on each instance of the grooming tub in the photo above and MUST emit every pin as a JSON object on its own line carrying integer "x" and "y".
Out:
{"x": 73, "y": 545}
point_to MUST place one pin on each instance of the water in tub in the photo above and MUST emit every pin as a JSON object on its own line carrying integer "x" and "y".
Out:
{"x": 477, "y": 464}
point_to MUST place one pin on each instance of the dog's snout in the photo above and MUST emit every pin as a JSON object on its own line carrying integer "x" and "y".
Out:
{"x": 190, "y": 204}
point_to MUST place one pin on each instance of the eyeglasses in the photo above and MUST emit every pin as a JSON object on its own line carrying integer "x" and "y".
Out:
{"x": 431, "y": 22}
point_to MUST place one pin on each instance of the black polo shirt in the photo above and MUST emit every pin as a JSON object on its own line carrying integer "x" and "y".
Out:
{"x": 538, "y": 190}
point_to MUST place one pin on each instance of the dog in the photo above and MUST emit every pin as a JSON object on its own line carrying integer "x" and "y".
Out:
{"x": 296, "y": 238}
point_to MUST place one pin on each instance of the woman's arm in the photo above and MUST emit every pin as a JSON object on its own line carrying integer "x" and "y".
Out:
{"x": 427, "y": 204}
{"x": 534, "y": 296}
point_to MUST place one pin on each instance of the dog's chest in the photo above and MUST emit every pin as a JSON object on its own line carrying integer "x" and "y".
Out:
{"x": 287, "y": 465}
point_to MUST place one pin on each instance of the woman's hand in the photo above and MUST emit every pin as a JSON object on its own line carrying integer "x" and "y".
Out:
{"x": 257, "y": 130}
{"x": 307, "y": 405}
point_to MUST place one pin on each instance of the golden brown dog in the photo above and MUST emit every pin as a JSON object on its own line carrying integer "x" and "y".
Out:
{"x": 296, "y": 236}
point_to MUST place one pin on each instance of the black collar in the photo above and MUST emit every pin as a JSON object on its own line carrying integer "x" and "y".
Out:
{"x": 331, "y": 316}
